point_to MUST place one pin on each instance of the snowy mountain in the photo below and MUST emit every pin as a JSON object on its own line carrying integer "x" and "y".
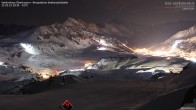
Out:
{"x": 74, "y": 44}
{"x": 186, "y": 39}
{"x": 60, "y": 46}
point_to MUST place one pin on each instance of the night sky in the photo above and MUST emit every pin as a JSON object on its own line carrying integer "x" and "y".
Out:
{"x": 143, "y": 12}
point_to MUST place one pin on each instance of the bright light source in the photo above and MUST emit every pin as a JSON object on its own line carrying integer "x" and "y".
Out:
{"x": 102, "y": 48}
{"x": 29, "y": 49}
{"x": 145, "y": 71}
{"x": 45, "y": 76}
{"x": 1, "y": 63}
{"x": 46, "y": 73}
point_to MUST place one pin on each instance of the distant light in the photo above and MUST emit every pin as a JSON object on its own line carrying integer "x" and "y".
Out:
{"x": 46, "y": 73}
{"x": 29, "y": 49}
{"x": 45, "y": 76}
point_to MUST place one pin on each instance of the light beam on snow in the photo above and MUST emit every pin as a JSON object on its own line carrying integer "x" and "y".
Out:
{"x": 175, "y": 45}
{"x": 29, "y": 48}
{"x": 102, "y": 48}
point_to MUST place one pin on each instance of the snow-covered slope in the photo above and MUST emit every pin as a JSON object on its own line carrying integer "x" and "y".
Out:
{"x": 144, "y": 64}
{"x": 69, "y": 36}
{"x": 73, "y": 34}
{"x": 130, "y": 67}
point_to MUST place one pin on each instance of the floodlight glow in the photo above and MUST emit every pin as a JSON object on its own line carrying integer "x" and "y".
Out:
{"x": 102, "y": 48}
{"x": 1, "y": 63}
{"x": 29, "y": 49}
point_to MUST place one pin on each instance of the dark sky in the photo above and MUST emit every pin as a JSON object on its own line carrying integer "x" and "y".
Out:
{"x": 145, "y": 12}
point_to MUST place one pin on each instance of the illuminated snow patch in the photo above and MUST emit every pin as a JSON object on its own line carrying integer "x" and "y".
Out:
{"x": 144, "y": 71}
{"x": 104, "y": 43}
{"x": 77, "y": 70}
{"x": 29, "y": 49}
{"x": 3, "y": 64}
